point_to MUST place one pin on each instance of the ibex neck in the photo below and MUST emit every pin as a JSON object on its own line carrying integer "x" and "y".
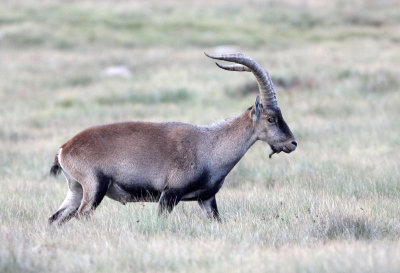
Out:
{"x": 230, "y": 140}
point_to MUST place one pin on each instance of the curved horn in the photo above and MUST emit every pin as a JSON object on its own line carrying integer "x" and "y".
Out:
{"x": 234, "y": 67}
{"x": 267, "y": 92}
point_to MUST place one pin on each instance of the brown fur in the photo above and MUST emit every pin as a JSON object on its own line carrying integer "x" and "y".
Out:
{"x": 168, "y": 162}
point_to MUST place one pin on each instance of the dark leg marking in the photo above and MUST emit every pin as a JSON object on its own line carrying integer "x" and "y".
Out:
{"x": 168, "y": 200}
{"x": 209, "y": 208}
{"x": 214, "y": 209}
{"x": 94, "y": 194}
{"x": 55, "y": 215}
{"x": 103, "y": 182}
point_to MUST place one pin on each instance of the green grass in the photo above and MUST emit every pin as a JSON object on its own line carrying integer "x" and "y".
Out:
{"x": 159, "y": 96}
{"x": 331, "y": 206}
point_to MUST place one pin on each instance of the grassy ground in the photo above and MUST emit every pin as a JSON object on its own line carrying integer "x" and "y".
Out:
{"x": 331, "y": 206}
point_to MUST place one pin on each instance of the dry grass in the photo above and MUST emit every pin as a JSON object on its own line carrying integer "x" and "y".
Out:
{"x": 332, "y": 206}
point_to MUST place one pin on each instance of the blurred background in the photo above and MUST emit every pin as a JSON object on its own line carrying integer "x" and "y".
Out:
{"x": 69, "y": 65}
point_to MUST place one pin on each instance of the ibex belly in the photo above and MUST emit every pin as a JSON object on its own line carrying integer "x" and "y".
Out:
{"x": 132, "y": 193}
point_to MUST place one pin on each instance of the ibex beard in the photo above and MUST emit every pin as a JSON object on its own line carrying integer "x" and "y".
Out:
{"x": 167, "y": 162}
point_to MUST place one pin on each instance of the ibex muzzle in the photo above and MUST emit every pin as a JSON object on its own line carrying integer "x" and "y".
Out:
{"x": 167, "y": 162}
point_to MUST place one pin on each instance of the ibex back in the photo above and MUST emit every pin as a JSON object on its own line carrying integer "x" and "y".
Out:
{"x": 167, "y": 162}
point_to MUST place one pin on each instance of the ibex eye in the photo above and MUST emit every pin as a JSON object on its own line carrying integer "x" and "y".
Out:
{"x": 271, "y": 120}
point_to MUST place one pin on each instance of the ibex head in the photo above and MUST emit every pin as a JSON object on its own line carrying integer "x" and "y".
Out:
{"x": 269, "y": 125}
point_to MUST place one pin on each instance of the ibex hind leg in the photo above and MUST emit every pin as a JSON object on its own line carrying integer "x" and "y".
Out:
{"x": 94, "y": 190}
{"x": 70, "y": 204}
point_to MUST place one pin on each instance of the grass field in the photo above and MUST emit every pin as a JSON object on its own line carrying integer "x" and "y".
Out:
{"x": 331, "y": 206}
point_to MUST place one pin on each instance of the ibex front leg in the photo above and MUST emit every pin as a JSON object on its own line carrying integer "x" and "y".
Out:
{"x": 209, "y": 208}
{"x": 168, "y": 200}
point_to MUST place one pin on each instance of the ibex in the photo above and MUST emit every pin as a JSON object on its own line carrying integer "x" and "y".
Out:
{"x": 168, "y": 162}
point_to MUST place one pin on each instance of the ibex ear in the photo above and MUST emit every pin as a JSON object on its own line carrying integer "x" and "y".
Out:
{"x": 257, "y": 108}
